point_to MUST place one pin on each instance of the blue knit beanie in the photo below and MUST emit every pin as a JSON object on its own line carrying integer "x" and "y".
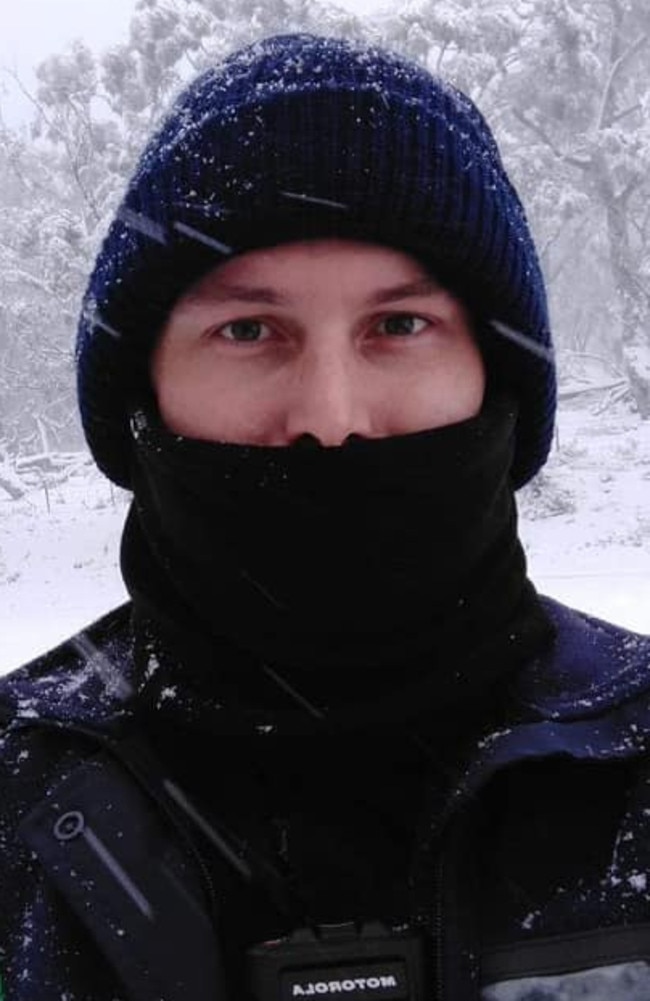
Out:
{"x": 300, "y": 136}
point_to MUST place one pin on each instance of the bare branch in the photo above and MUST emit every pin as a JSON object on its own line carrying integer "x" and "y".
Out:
{"x": 548, "y": 141}
{"x": 441, "y": 56}
{"x": 628, "y": 111}
{"x": 592, "y": 356}
{"x": 622, "y": 197}
{"x": 64, "y": 140}
{"x": 614, "y": 70}
{"x": 33, "y": 281}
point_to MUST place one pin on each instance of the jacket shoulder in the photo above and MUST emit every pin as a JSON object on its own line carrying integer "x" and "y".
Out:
{"x": 53, "y": 712}
{"x": 84, "y": 681}
{"x": 591, "y": 666}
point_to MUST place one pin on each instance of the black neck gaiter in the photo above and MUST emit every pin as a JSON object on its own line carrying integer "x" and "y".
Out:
{"x": 375, "y": 555}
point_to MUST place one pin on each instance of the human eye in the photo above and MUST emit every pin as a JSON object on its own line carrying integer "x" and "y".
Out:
{"x": 244, "y": 331}
{"x": 402, "y": 325}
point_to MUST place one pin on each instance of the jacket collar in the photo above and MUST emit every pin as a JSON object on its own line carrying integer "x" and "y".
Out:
{"x": 586, "y": 695}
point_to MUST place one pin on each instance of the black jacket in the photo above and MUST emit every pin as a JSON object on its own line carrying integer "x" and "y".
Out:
{"x": 138, "y": 869}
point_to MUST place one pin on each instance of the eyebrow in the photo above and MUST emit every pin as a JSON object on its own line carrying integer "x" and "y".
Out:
{"x": 424, "y": 286}
{"x": 272, "y": 297}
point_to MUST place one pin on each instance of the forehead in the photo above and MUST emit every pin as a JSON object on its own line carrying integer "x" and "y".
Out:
{"x": 265, "y": 274}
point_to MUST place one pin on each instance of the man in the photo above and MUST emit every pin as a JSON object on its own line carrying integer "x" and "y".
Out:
{"x": 336, "y": 744}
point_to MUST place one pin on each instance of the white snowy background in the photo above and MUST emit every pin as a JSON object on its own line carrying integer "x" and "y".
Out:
{"x": 567, "y": 90}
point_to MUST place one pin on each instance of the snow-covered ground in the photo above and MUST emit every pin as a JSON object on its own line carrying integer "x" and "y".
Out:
{"x": 585, "y": 525}
{"x": 59, "y": 568}
{"x": 585, "y": 521}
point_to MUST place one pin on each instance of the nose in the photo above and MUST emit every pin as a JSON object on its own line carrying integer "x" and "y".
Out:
{"x": 327, "y": 399}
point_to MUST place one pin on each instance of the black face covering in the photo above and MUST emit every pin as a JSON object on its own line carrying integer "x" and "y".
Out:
{"x": 378, "y": 554}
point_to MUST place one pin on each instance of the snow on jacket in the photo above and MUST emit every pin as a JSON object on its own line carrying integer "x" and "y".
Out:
{"x": 539, "y": 885}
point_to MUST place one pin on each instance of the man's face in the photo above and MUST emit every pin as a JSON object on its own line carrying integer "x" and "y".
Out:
{"x": 323, "y": 337}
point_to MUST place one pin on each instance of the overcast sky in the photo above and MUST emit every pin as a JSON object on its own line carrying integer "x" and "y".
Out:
{"x": 30, "y": 30}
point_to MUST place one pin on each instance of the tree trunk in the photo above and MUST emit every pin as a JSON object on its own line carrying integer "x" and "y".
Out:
{"x": 637, "y": 365}
{"x": 634, "y": 306}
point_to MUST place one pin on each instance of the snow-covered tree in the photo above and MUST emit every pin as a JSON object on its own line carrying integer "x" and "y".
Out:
{"x": 171, "y": 40}
{"x": 38, "y": 286}
{"x": 582, "y": 100}
{"x": 565, "y": 84}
